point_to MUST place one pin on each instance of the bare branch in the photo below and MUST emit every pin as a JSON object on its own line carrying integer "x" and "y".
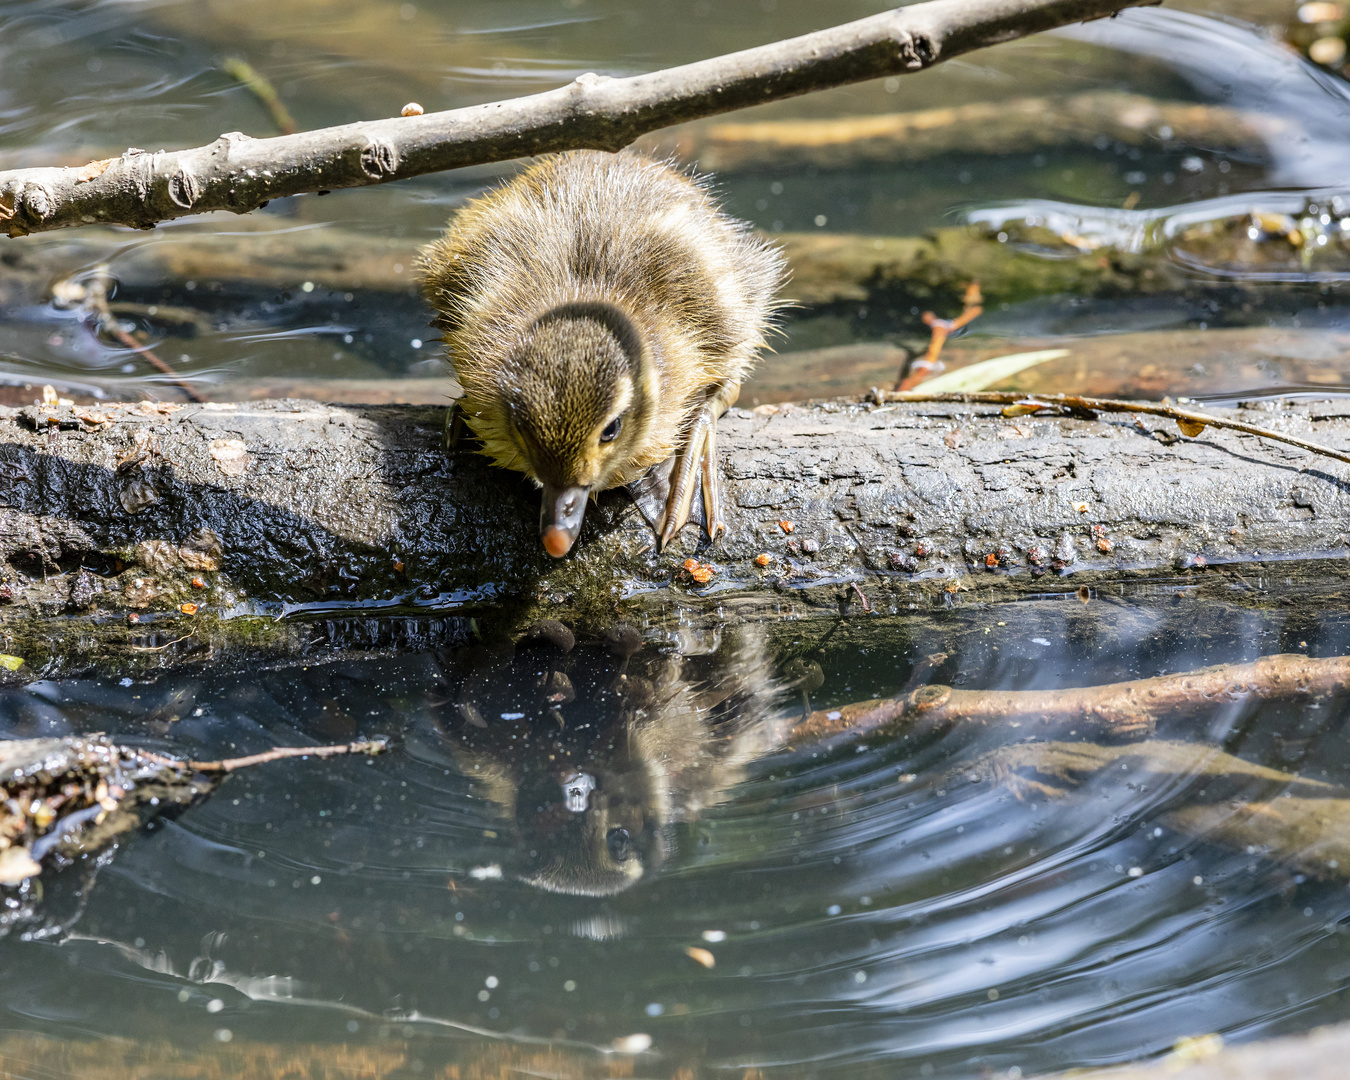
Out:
{"x": 238, "y": 174}
{"x": 1124, "y": 710}
{"x": 1190, "y": 422}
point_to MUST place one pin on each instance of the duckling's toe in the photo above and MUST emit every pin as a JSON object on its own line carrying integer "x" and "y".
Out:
{"x": 695, "y": 467}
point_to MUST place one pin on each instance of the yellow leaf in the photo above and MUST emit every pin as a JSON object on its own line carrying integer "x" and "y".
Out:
{"x": 1190, "y": 428}
{"x": 10, "y": 663}
{"x": 986, "y": 373}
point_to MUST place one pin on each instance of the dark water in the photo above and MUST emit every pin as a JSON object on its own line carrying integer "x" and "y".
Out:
{"x": 882, "y": 907}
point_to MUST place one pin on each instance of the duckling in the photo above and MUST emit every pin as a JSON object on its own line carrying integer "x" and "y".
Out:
{"x": 600, "y": 312}
{"x": 593, "y": 808}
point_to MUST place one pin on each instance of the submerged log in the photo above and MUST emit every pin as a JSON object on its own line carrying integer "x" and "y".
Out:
{"x": 1016, "y": 126}
{"x": 180, "y": 516}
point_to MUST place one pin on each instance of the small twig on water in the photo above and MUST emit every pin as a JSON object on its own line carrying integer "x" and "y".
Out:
{"x": 110, "y": 327}
{"x": 261, "y": 87}
{"x": 861, "y": 596}
{"x": 928, "y": 364}
{"x": 1190, "y": 422}
{"x": 91, "y": 295}
{"x": 370, "y": 747}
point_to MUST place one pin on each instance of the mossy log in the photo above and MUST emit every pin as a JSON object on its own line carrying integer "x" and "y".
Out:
{"x": 176, "y": 516}
{"x": 826, "y": 268}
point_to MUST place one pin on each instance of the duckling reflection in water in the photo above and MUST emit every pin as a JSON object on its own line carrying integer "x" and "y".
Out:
{"x": 592, "y": 807}
{"x": 601, "y": 313}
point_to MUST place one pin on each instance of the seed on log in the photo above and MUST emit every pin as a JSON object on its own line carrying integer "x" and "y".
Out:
{"x": 700, "y": 572}
{"x": 900, "y": 561}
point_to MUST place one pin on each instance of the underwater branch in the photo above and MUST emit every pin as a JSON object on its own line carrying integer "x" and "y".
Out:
{"x": 240, "y": 174}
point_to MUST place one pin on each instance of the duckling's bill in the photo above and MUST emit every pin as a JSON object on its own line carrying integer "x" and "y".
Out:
{"x": 560, "y": 517}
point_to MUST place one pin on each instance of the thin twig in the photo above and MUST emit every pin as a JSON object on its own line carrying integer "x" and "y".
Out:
{"x": 237, "y": 173}
{"x": 928, "y": 364}
{"x": 92, "y": 295}
{"x": 110, "y": 326}
{"x": 261, "y": 87}
{"x": 369, "y": 747}
{"x": 161, "y": 648}
{"x": 1190, "y": 422}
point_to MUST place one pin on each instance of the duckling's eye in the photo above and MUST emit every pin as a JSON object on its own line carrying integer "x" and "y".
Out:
{"x": 611, "y": 431}
{"x": 618, "y": 841}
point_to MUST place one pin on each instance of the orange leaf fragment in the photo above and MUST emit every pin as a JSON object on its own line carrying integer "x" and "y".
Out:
{"x": 786, "y": 526}
{"x": 188, "y": 609}
{"x": 93, "y": 170}
{"x": 763, "y": 559}
{"x": 1190, "y": 428}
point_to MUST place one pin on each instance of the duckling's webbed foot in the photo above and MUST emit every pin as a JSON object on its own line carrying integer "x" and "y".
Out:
{"x": 695, "y": 465}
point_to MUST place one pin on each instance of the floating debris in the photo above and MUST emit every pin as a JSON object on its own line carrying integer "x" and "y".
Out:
{"x": 61, "y": 799}
{"x": 701, "y": 956}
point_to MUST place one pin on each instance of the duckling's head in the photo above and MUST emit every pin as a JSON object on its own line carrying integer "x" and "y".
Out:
{"x": 573, "y": 399}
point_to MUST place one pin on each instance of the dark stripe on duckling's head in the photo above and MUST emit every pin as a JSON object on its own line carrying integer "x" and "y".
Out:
{"x": 579, "y": 368}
